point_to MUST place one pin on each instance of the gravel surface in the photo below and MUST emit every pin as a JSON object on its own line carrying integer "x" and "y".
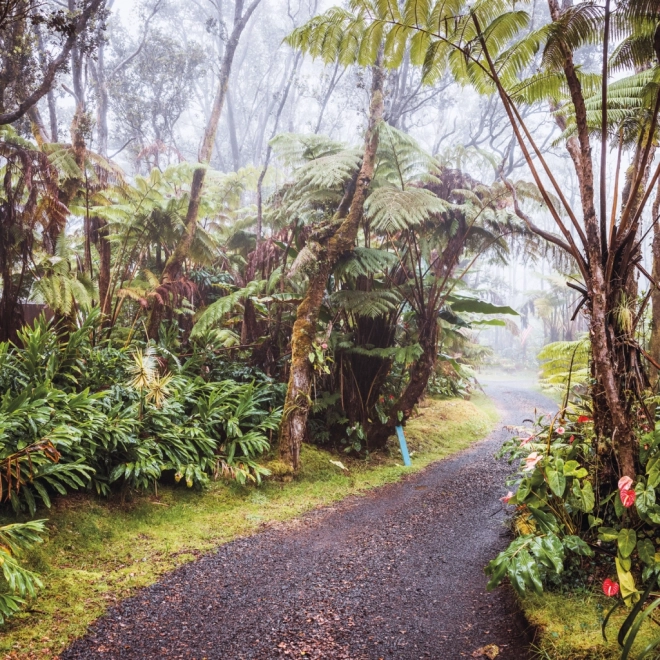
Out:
{"x": 396, "y": 574}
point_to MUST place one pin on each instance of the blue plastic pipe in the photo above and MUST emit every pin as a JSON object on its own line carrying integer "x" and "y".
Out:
{"x": 404, "y": 446}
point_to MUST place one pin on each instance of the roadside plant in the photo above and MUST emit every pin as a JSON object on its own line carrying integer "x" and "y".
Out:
{"x": 17, "y": 583}
{"x": 556, "y": 507}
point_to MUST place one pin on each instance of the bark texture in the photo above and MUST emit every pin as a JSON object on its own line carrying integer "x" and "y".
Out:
{"x": 328, "y": 249}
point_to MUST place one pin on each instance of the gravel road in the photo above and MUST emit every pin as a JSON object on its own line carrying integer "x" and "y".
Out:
{"x": 396, "y": 574}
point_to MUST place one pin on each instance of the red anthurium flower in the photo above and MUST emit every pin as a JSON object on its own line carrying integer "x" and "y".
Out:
{"x": 627, "y": 497}
{"x": 625, "y": 483}
{"x": 583, "y": 419}
{"x": 610, "y": 588}
{"x": 571, "y": 439}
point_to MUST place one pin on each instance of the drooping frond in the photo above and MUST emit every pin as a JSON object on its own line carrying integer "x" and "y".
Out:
{"x": 577, "y": 26}
{"x": 366, "y": 303}
{"x": 215, "y": 311}
{"x": 295, "y": 149}
{"x": 365, "y": 261}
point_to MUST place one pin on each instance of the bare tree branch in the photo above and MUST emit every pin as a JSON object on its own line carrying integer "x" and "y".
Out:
{"x": 53, "y": 68}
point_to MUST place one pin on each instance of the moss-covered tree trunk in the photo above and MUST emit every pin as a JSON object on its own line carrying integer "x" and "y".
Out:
{"x": 328, "y": 251}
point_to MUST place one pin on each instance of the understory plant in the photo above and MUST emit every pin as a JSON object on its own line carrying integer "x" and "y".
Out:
{"x": 16, "y": 582}
{"x": 121, "y": 418}
{"x": 566, "y": 509}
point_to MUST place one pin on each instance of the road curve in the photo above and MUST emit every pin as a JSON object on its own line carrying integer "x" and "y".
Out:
{"x": 395, "y": 574}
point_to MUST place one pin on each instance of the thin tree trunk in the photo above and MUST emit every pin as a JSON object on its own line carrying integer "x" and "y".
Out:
{"x": 654, "y": 348}
{"x": 233, "y": 140}
{"x": 174, "y": 266}
{"x": 269, "y": 149}
{"x": 297, "y": 402}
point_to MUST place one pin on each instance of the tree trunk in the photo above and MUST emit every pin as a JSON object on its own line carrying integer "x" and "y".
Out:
{"x": 233, "y": 139}
{"x": 284, "y": 95}
{"x": 174, "y": 266}
{"x": 328, "y": 251}
{"x": 654, "y": 348}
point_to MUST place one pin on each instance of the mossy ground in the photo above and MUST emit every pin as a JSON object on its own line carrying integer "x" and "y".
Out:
{"x": 100, "y": 552}
{"x": 569, "y": 626}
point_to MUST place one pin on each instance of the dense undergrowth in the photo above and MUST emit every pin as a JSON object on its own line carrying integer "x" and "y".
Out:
{"x": 584, "y": 558}
{"x": 100, "y": 550}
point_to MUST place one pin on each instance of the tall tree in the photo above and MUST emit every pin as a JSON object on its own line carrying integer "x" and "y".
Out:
{"x": 328, "y": 246}
{"x": 479, "y": 42}
{"x": 174, "y": 266}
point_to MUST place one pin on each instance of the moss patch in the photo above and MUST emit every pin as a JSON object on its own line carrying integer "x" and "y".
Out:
{"x": 100, "y": 552}
{"x": 569, "y": 626}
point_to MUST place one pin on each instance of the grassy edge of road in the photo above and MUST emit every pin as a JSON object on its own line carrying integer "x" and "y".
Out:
{"x": 99, "y": 552}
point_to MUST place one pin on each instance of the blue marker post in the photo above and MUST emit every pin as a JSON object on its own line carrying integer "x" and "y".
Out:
{"x": 404, "y": 446}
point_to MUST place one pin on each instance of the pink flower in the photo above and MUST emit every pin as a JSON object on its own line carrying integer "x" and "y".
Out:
{"x": 583, "y": 419}
{"x": 531, "y": 461}
{"x": 625, "y": 483}
{"x": 610, "y": 588}
{"x": 324, "y": 346}
{"x": 391, "y": 397}
{"x": 526, "y": 441}
{"x": 627, "y": 497}
{"x": 561, "y": 430}
{"x": 506, "y": 498}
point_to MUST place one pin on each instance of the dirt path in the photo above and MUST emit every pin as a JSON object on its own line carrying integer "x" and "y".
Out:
{"x": 396, "y": 574}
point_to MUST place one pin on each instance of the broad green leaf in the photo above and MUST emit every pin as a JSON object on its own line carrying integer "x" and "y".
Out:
{"x": 546, "y": 521}
{"x": 523, "y": 490}
{"x": 578, "y": 546}
{"x": 646, "y": 551}
{"x": 627, "y": 584}
{"x": 626, "y": 541}
{"x": 585, "y": 496}
{"x": 607, "y": 534}
{"x": 644, "y": 498}
{"x": 573, "y": 469}
{"x": 478, "y": 306}
{"x": 556, "y": 481}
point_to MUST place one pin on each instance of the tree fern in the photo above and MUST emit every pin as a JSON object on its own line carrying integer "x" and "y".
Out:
{"x": 365, "y": 261}
{"x": 390, "y": 209}
{"x": 367, "y": 303}
{"x": 215, "y": 311}
{"x": 563, "y": 359}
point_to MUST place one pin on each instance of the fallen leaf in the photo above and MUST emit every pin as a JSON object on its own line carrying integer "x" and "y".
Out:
{"x": 490, "y": 651}
{"x": 339, "y": 464}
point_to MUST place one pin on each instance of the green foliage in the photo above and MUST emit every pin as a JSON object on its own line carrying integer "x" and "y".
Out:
{"x": 556, "y": 506}
{"x": 114, "y": 418}
{"x": 17, "y": 583}
{"x": 562, "y": 360}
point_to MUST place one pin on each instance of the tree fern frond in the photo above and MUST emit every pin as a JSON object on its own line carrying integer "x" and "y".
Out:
{"x": 366, "y": 303}
{"x": 365, "y": 261}
{"x": 215, "y": 311}
{"x": 390, "y": 209}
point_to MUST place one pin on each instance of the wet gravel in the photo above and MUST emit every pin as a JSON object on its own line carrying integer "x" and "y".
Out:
{"x": 395, "y": 574}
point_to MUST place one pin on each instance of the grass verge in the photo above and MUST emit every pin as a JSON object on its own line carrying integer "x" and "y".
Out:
{"x": 100, "y": 552}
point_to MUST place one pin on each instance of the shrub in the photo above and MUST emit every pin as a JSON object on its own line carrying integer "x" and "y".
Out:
{"x": 114, "y": 418}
